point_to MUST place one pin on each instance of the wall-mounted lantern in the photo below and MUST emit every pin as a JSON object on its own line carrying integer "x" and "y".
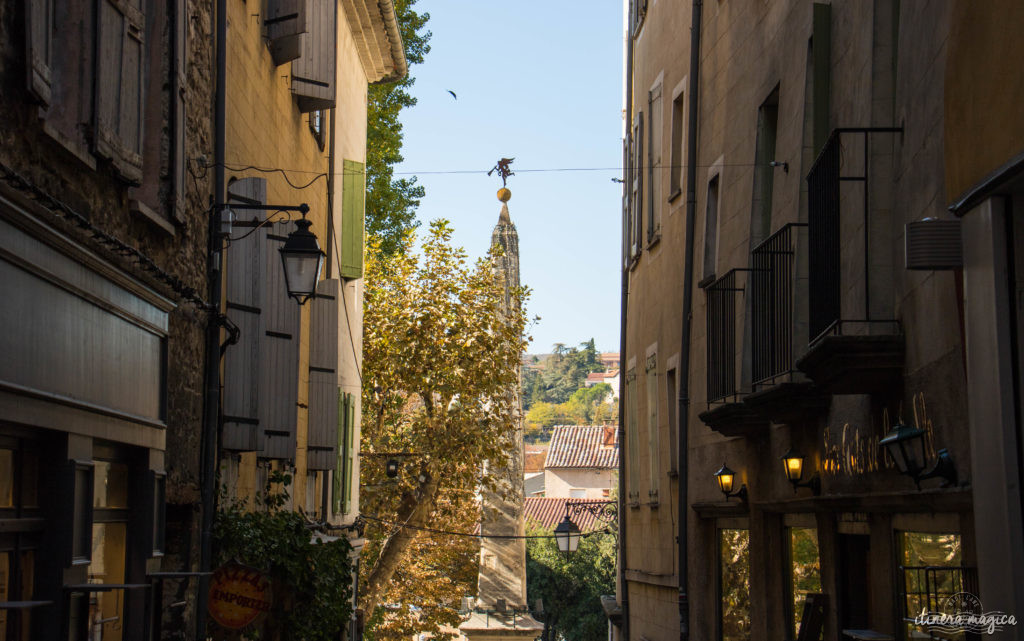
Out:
{"x": 906, "y": 446}
{"x": 793, "y": 462}
{"x": 302, "y": 259}
{"x": 726, "y": 479}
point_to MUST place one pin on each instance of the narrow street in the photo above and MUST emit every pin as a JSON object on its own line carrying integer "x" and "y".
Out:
{"x": 410, "y": 320}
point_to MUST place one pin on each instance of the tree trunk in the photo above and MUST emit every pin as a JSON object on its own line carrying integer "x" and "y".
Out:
{"x": 414, "y": 513}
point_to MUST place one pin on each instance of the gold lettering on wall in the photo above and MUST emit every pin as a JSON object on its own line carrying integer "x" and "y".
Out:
{"x": 854, "y": 451}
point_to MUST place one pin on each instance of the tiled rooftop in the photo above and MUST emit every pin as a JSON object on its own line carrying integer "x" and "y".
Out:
{"x": 583, "y": 446}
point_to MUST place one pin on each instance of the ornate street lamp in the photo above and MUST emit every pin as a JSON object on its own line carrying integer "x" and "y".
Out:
{"x": 793, "y": 462}
{"x": 906, "y": 446}
{"x": 302, "y": 259}
{"x": 567, "y": 535}
{"x": 726, "y": 478}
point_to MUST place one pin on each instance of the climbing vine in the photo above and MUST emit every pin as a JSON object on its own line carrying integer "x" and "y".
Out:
{"x": 312, "y": 580}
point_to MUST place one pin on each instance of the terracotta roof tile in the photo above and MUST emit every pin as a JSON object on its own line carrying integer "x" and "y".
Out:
{"x": 583, "y": 446}
{"x": 549, "y": 512}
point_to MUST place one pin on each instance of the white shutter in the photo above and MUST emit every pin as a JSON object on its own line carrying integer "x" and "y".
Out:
{"x": 323, "y": 377}
{"x": 246, "y": 271}
{"x": 279, "y": 378}
{"x": 285, "y": 22}
{"x": 313, "y": 73}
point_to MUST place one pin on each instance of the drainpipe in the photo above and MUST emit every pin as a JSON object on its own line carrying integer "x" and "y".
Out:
{"x": 624, "y": 305}
{"x": 684, "y": 359}
{"x": 211, "y": 421}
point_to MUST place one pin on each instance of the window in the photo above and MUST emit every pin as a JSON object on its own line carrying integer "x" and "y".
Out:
{"x": 109, "y": 547}
{"x": 19, "y": 541}
{"x": 932, "y": 572}
{"x": 632, "y": 439}
{"x": 804, "y": 576}
{"x": 734, "y": 584}
{"x": 764, "y": 171}
{"x": 678, "y": 154}
{"x": 316, "y": 125}
{"x": 711, "y": 232}
{"x": 655, "y": 170}
{"x": 653, "y": 440}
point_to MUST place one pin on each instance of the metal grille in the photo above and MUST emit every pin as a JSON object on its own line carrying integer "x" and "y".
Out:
{"x": 823, "y": 237}
{"x": 772, "y": 283}
{"x": 722, "y": 295}
{"x": 928, "y": 588}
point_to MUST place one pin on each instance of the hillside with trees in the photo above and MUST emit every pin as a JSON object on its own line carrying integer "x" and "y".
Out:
{"x": 554, "y": 390}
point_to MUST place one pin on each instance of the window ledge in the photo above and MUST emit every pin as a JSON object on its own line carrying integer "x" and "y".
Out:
{"x": 141, "y": 210}
{"x": 78, "y": 151}
{"x": 654, "y": 239}
{"x": 675, "y": 195}
{"x": 707, "y": 280}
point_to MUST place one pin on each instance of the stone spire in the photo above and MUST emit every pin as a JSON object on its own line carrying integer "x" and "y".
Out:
{"x": 501, "y": 582}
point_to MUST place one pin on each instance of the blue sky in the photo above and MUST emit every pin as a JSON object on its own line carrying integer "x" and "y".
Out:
{"x": 540, "y": 82}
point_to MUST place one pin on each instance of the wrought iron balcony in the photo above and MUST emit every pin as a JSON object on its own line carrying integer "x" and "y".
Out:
{"x": 850, "y": 351}
{"x": 726, "y": 412}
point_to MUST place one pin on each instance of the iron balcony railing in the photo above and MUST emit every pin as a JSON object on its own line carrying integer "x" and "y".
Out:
{"x": 773, "y": 282}
{"x": 724, "y": 303}
{"x": 825, "y": 245}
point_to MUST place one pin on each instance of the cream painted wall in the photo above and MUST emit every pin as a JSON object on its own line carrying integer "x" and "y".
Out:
{"x": 559, "y": 481}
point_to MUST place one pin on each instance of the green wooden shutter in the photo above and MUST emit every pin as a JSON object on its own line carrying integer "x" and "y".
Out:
{"x": 353, "y": 201}
{"x": 342, "y": 491}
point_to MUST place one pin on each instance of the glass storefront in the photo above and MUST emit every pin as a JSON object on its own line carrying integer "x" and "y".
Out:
{"x": 932, "y": 571}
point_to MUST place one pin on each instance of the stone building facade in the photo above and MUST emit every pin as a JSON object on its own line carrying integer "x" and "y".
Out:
{"x": 104, "y": 277}
{"x": 827, "y": 134}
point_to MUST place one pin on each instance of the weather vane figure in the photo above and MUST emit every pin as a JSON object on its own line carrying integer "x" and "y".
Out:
{"x": 504, "y": 170}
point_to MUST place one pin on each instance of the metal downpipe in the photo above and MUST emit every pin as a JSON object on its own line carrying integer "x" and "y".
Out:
{"x": 684, "y": 359}
{"x": 211, "y": 421}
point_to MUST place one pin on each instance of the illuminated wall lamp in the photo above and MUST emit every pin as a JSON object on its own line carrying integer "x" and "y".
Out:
{"x": 726, "y": 479}
{"x": 793, "y": 462}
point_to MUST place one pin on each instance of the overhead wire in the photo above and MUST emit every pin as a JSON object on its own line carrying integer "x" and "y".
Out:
{"x": 474, "y": 535}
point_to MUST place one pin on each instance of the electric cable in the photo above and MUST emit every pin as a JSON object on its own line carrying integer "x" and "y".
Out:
{"x": 473, "y": 535}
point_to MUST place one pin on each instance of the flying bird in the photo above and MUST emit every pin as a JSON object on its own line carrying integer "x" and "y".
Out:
{"x": 453, "y": 94}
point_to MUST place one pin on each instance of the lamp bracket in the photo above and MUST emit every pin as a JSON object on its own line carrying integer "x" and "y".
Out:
{"x": 604, "y": 511}
{"x": 814, "y": 483}
{"x": 741, "y": 494}
{"x": 943, "y": 468}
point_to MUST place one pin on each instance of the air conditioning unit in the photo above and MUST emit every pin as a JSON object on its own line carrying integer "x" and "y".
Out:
{"x": 934, "y": 244}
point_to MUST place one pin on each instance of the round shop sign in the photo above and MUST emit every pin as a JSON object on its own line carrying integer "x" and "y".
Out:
{"x": 238, "y": 595}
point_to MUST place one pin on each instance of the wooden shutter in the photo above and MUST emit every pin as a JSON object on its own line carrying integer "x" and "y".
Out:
{"x": 313, "y": 73}
{"x": 179, "y": 160}
{"x": 279, "y": 388}
{"x": 627, "y": 175}
{"x": 246, "y": 271}
{"x": 636, "y": 205}
{"x": 39, "y": 56}
{"x": 342, "y": 490}
{"x": 323, "y": 377}
{"x": 353, "y": 197}
{"x": 117, "y": 134}
{"x": 285, "y": 22}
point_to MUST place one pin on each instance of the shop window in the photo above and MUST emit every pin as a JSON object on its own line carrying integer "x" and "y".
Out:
{"x": 109, "y": 549}
{"x": 931, "y": 571}
{"x": 804, "y": 570}
{"x": 19, "y": 540}
{"x": 734, "y": 584}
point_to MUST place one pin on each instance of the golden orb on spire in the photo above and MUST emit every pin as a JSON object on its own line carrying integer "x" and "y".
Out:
{"x": 504, "y": 194}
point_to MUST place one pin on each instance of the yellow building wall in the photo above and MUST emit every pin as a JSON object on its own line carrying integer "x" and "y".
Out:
{"x": 984, "y": 91}
{"x": 266, "y": 130}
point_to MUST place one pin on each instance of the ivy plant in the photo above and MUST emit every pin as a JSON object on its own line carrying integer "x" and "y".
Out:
{"x": 312, "y": 580}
